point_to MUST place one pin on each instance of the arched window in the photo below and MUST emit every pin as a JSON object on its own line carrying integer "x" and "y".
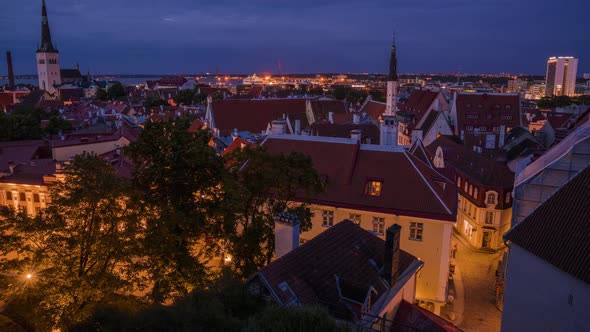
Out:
{"x": 459, "y": 182}
{"x": 475, "y": 192}
{"x": 470, "y": 190}
{"x": 466, "y": 186}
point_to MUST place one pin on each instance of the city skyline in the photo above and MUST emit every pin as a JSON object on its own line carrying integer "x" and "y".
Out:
{"x": 183, "y": 37}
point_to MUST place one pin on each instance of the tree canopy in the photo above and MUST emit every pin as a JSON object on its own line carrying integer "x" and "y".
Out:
{"x": 76, "y": 252}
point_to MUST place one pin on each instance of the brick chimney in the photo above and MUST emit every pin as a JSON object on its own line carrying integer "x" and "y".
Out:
{"x": 10, "y": 70}
{"x": 391, "y": 259}
{"x": 278, "y": 127}
{"x": 286, "y": 233}
{"x": 356, "y": 135}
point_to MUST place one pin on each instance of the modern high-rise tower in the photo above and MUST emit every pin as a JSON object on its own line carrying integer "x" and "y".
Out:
{"x": 561, "y": 76}
{"x": 48, "y": 69}
{"x": 388, "y": 122}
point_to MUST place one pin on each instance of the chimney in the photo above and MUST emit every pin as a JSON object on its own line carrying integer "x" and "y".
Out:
{"x": 10, "y": 70}
{"x": 391, "y": 259}
{"x": 278, "y": 127}
{"x": 286, "y": 233}
{"x": 356, "y": 135}
{"x": 297, "y": 127}
{"x": 331, "y": 117}
{"x": 356, "y": 118}
{"x": 11, "y": 166}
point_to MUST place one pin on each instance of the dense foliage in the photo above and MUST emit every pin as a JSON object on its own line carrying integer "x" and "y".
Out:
{"x": 25, "y": 124}
{"x": 226, "y": 308}
{"x": 150, "y": 239}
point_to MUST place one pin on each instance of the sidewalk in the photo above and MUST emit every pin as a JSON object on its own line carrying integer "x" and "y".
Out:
{"x": 474, "y": 285}
{"x": 454, "y": 311}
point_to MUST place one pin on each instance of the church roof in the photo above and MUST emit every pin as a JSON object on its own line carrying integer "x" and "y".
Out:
{"x": 46, "y": 44}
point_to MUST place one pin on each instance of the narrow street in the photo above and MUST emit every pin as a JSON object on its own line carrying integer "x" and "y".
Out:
{"x": 475, "y": 281}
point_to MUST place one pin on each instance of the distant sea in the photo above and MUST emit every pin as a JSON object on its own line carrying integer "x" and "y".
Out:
{"x": 124, "y": 80}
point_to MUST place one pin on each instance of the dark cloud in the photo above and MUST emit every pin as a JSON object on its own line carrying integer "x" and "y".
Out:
{"x": 305, "y": 35}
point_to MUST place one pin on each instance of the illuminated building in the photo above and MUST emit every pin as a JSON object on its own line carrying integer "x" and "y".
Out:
{"x": 561, "y": 76}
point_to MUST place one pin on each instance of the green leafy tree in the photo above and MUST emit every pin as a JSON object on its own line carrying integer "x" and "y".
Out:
{"x": 229, "y": 308}
{"x": 261, "y": 186}
{"x": 199, "y": 98}
{"x": 356, "y": 97}
{"x": 153, "y": 102}
{"x": 116, "y": 91}
{"x": 179, "y": 176}
{"x": 185, "y": 97}
{"x": 340, "y": 92}
{"x": 101, "y": 95}
{"x": 77, "y": 253}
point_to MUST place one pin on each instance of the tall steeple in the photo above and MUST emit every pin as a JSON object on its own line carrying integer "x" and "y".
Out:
{"x": 393, "y": 63}
{"x": 46, "y": 44}
{"x": 48, "y": 69}
{"x": 388, "y": 123}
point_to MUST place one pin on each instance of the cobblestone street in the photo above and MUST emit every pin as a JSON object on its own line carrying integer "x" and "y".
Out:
{"x": 475, "y": 281}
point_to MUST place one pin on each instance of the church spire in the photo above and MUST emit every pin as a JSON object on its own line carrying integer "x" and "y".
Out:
{"x": 46, "y": 44}
{"x": 393, "y": 63}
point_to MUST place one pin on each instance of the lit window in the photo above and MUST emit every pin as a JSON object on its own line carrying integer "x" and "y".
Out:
{"x": 483, "y": 128}
{"x": 508, "y": 198}
{"x": 475, "y": 192}
{"x": 378, "y": 225}
{"x": 22, "y": 197}
{"x": 374, "y": 188}
{"x": 489, "y": 217}
{"x": 459, "y": 182}
{"x": 8, "y": 195}
{"x": 327, "y": 218}
{"x": 466, "y": 186}
{"x": 416, "y": 229}
{"x": 491, "y": 198}
{"x": 36, "y": 198}
{"x": 356, "y": 218}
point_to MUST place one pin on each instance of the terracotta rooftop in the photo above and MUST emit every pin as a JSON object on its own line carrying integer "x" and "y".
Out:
{"x": 557, "y": 231}
{"x": 252, "y": 115}
{"x": 374, "y": 109}
{"x": 343, "y": 255}
{"x": 486, "y": 171}
{"x": 411, "y": 318}
{"x": 410, "y": 187}
{"x": 369, "y": 131}
{"x": 418, "y": 103}
{"x": 483, "y": 109}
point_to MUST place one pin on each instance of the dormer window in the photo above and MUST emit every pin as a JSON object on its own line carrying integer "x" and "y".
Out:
{"x": 491, "y": 198}
{"x": 374, "y": 187}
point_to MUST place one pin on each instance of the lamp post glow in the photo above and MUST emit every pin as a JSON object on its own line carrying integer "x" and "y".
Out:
{"x": 29, "y": 276}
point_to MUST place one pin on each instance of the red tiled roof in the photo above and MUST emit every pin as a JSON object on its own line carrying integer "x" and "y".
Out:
{"x": 344, "y": 251}
{"x": 479, "y": 168}
{"x": 490, "y": 110}
{"x": 252, "y": 115}
{"x": 411, "y": 318}
{"x": 172, "y": 81}
{"x": 410, "y": 187}
{"x": 418, "y": 103}
{"x": 196, "y": 126}
{"x": 322, "y": 107}
{"x": 6, "y": 99}
{"x": 557, "y": 231}
{"x": 369, "y": 130}
{"x": 209, "y": 90}
{"x": 236, "y": 144}
{"x": 374, "y": 109}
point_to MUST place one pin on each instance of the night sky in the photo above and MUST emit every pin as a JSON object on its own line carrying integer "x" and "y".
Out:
{"x": 192, "y": 36}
